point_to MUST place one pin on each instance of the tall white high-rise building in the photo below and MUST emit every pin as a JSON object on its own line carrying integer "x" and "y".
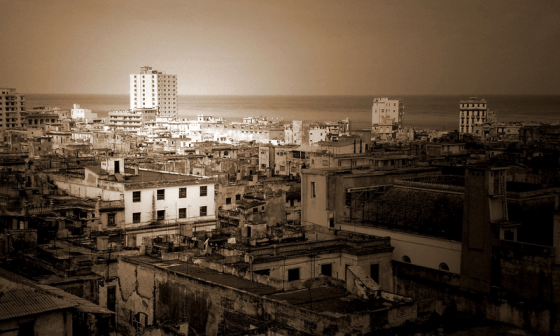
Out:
{"x": 472, "y": 112}
{"x": 152, "y": 89}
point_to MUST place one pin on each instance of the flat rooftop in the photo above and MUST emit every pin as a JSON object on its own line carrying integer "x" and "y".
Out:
{"x": 329, "y": 299}
{"x": 206, "y": 274}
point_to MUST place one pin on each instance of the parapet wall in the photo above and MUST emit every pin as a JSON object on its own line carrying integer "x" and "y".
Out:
{"x": 424, "y": 283}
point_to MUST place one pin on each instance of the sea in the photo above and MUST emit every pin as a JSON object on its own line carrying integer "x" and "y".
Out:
{"x": 439, "y": 112}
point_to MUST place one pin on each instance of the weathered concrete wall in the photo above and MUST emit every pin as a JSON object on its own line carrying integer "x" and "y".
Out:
{"x": 423, "y": 283}
{"x": 525, "y": 269}
{"x": 165, "y": 295}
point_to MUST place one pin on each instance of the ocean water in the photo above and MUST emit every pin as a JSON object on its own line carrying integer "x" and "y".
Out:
{"x": 421, "y": 111}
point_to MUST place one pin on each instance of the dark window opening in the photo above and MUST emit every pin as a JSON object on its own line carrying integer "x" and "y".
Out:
{"x": 326, "y": 270}
{"x": 111, "y": 219}
{"x": 228, "y": 200}
{"x": 203, "y": 211}
{"x": 136, "y": 196}
{"x": 374, "y": 272}
{"x": 312, "y": 189}
{"x": 161, "y": 215}
{"x": 203, "y": 190}
{"x": 183, "y": 213}
{"x": 293, "y": 274}
{"x": 136, "y": 217}
{"x": 508, "y": 235}
{"x": 263, "y": 272}
{"x": 182, "y": 192}
{"x": 161, "y": 194}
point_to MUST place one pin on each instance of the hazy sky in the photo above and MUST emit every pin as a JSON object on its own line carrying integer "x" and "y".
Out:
{"x": 283, "y": 47}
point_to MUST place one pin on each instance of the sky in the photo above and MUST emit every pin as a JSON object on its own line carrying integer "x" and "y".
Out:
{"x": 283, "y": 47}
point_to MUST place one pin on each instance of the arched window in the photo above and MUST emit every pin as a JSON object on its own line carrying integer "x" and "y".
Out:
{"x": 444, "y": 267}
{"x": 406, "y": 259}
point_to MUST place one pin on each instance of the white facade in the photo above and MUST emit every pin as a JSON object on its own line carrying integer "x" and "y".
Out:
{"x": 129, "y": 121}
{"x": 386, "y": 111}
{"x": 154, "y": 89}
{"x": 472, "y": 112}
{"x": 317, "y": 133}
{"x": 79, "y": 113}
{"x": 186, "y": 203}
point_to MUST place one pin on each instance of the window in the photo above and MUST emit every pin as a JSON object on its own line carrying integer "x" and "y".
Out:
{"x": 111, "y": 219}
{"x": 182, "y": 192}
{"x": 255, "y": 209}
{"x": 263, "y": 272}
{"x": 312, "y": 189}
{"x": 27, "y": 329}
{"x": 136, "y": 217}
{"x": 203, "y": 211}
{"x": 237, "y": 197}
{"x": 348, "y": 198}
{"x": 374, "y": 272}
{"x": 293, "y": 274}
{"x": 203, "y": 190}
{"x": 444, "y": 267}
{"x": 183, "y": 213}
{"x": 326, "y": 270}
{"x": 228, "y": 200}
{"x": 136, "y": 196}
{"x": 161, "y": 194}
{"x": 282, "y": 168}
{"x": 161, "y": 215}
{"x": 406, "y": 259}
{"x": 111, "y": 297}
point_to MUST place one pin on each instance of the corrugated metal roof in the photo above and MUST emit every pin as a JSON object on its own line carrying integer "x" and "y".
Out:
{"x": 23, "y": 302}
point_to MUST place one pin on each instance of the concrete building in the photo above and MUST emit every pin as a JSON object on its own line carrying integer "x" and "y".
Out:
{"x": 128, "y": 121}
{"x": 144, "y": 202}
{"x": 387, "y": 116}
{"x": 79, "y": 113}
{"x": 200, "y": 294}
{"x": 12, "y": 109}
{"x": 154, "y": 89}
{"x": 472, "y": 112}
{"x": 41, "y": 117}
{"x": 27, "y": 308}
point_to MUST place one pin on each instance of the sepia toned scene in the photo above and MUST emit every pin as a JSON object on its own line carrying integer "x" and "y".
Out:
{"x": 276, "y": 168}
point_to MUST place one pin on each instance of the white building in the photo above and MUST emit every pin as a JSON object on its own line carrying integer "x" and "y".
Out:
{"x": 144, "y": 203}
{"x": 472, "y": 113}
{"x": 12, "y": 104}
{"x": 386, "y": 112}
{"x": 128, "y": 121}
{"x": 153, "y": 89}
{"x": 80, "y": 113}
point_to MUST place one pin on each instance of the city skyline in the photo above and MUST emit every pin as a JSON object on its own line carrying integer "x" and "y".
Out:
{"x": 283, "y": 48}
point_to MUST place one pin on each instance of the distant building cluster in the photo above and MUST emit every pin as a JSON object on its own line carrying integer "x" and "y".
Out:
{"x": 144, "y": 223}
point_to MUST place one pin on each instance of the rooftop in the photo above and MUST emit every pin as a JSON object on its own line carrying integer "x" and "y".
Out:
{"x": 205, "y": 274}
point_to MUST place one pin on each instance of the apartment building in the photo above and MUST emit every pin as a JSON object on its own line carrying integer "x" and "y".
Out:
{"x": 128, "y": 121}
{"x": 12, "y": 109}
{"x": 387, "y": 115}
{"x": 472, "y": 112}
{"x": 145, "y": 203}
{"x": 154, "y": 89}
